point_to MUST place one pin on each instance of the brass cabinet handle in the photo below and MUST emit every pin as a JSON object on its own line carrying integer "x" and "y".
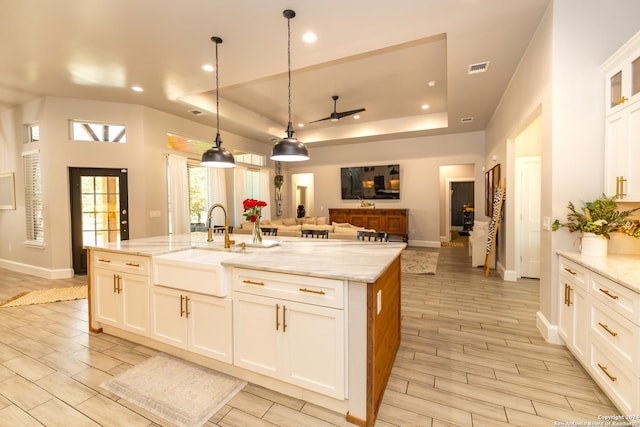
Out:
{"x": 311, "y": 291}
{"x": 251, "y": 282}
{"x": 186, "y": 306}
{"x": 284, "y": 318}
{"x": 277, "y": 317}
{"x": 115, "y": 287}
{"x": 607, "y": 293}
{"x": 119, "y": 284}
{"x": 604, "y": 369}
{"x": 567, "y": 294}
{"x": 181, "y": 306}
{"x": 103, "y": 260}
{"x": 568, "y": 270}
{"x": 606, "y": 328}
{"x": 133, "y": 264}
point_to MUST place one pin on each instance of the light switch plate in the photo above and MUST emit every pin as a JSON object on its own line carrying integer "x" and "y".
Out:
{"x": 546, "y": 223}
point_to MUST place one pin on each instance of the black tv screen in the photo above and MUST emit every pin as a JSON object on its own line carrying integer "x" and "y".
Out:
{"x": 370, "y": 182}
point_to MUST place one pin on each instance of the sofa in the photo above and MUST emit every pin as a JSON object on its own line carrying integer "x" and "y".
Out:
{"x": 292, "y": 227}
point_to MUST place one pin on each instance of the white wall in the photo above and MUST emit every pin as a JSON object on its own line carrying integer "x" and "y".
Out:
{"x": 559, "y": 76}
{"x": 142, "y": 155}
{"x": 420, "y": 160}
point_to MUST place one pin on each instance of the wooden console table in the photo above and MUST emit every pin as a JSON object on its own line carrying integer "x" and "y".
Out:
{"x": 393, "y": 221}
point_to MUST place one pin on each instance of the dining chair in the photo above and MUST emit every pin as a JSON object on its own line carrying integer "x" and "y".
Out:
{"x": 269, "y": 231}
{"x": 373, "y": 236}
{"x": 315, "y": 234}
{"x": 220, "y": 229}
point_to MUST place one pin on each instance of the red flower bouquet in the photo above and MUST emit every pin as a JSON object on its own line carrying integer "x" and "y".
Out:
{"x": 253, "y": 209}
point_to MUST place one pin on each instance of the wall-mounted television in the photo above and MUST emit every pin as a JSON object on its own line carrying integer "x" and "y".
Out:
{"x": 370, "y": 182}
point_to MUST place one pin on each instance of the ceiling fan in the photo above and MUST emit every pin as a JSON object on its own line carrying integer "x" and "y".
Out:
{"x": 335, "y": 116}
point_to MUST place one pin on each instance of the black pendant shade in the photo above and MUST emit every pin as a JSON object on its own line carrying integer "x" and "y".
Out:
{"x": 289, "y": 149}
{"x": 217, "y": 157}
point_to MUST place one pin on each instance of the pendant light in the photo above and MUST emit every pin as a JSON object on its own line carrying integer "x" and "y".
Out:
{"x": 289, "y": 149}
{"x": 217, "y": 157}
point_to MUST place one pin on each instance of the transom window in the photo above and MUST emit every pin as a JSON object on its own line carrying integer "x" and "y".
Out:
{"x": 98, "y": 132}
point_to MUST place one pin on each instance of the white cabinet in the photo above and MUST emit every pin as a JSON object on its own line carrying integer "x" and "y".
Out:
{"x": 622, "y": 71}
{"x": 573, "y": 309}
{"x": 121, "y": 291}
{"x": 192, "y": 321}
{"x": 291, "y": 328}
{"x": 601, "y": 326}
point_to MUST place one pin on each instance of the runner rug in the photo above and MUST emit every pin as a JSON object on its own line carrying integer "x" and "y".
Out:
{"x": 183, "y": 393}
{"x": 419, "y": 262}
{"x": 43, "y": 296}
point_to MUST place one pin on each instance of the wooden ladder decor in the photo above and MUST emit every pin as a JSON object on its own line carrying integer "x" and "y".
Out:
{"x": 498, "y": 199}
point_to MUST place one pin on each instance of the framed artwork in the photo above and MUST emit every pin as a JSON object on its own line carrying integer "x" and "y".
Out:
{"x": 491, "y": 182}
{"x": 7, "y": 191}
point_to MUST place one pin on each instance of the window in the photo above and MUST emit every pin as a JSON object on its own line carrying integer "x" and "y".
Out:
{"x": 198, "y": 194}
{"x": 98, "y": 132}
{"x": 31, "y": 133}
{"x": 251, "y": 159}
{"x": 253, "y": 184}
{"x": 33, "y": 197}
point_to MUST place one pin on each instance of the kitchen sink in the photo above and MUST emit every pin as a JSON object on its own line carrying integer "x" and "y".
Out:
{"x": 196, "y": 270}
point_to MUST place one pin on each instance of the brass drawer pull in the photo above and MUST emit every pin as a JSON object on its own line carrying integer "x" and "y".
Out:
{"x": 284, "y": 318}
{"x": 186, "y": 306}
{"x": 277, "y": 317}
{"x": 133, "y": 264}
{"x": 604, "y": 369}
{"x": 606, "y": 328}
{"x": 181, "y": 305}
{"x": 251, "y": 282}
{"x": 311, "y": 291}
{"x": 607, "y": 293}
{"x": 103, "y": 260}
{"x": 568, "y": 270}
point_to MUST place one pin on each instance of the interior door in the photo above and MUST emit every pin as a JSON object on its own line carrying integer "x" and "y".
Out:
{"x": 99, "y": 210}
{"x": 529, "y": 191}
{"x": 461, "y": 194}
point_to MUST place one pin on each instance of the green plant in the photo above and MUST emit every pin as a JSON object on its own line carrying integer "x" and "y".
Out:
{"x": 600, "y": 216}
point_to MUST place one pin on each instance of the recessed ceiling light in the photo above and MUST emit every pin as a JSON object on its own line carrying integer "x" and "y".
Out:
{"x": 208, "y": 68}
{"x": 300, "y": 125}
{"x": 137, "y": 89}
{"x": 425, "y": 106}
{"x": 356, "y": 117}
{"x": 309, "y": 37}
{"x": 432, "y": 83}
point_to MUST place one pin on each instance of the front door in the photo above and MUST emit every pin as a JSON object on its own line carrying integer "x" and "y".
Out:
{"x": 99, "y": 210}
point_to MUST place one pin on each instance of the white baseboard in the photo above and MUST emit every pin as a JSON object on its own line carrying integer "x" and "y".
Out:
{"x": 549, "y": 332}
{"x": 46, "y": 273}
{"x": 424, "y": 243}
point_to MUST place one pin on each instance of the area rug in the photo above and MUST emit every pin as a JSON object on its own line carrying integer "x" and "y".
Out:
{"x": 43, "y": 296}
{"x": 419, "y": 262}
{"x": 180, "y": 392}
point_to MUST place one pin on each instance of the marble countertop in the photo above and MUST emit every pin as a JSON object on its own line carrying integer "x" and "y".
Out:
{"x": 336, "y": 259}
{"x": 623, "y": 269}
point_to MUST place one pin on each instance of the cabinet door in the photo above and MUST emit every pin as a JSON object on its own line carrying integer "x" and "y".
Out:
{"x": 396, "y": 224}
{"x": 257, "y": 324}
{"x": 210, "y": 326}
{"x": 108, "y": 305}
{"x": 313, "y": 348}
{"x": 565, "y": 312}
{"x": 357, "y": 219}
{"x": 375, "y": 222}
{"x": 580, "y": 323}
{"x": 632, "y": 173}
{"x": 168, "y": 321}
{"x": 134, "y": 298}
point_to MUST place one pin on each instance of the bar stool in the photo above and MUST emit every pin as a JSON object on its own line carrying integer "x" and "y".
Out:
{"x": 373, "y": 236}
{"x": 315, "y": 234}
{"x": 269, "y": 231}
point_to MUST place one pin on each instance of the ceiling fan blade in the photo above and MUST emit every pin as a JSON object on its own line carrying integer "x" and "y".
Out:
{"x": 350, "y": 112}
{"x": 320, "y": 120}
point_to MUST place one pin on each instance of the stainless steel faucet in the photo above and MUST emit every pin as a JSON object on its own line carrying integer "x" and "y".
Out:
{"x": 227, "y": 242}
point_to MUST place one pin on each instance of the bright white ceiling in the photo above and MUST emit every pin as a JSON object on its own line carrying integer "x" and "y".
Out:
{"x": 374, "y": 54}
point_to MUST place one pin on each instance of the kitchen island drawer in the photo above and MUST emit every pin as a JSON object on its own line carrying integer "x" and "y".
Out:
{"x": 619, "y": 298}
{"x": 305, "y": 289}
{"x": 577, "y": 274}
{"x": 618, "y": 383}
{"x": 126, "y": 263}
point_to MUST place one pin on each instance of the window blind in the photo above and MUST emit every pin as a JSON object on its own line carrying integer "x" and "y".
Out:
{"x": 33, "y": 197}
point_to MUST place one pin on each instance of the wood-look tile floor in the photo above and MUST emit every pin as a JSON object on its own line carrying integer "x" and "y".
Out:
{"x": 470, "y": 356}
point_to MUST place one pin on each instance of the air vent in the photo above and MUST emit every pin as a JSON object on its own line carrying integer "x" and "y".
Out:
{"x": 196, "y": 112}
{"x": 466, "y": 120}
{"x": 480, "y": 67}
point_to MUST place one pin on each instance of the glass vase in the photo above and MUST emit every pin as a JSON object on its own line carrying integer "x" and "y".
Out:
{"x": 257, "y": 233}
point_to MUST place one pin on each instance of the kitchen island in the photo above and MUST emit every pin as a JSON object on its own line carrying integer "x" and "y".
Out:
{"x": 315, "y": 319}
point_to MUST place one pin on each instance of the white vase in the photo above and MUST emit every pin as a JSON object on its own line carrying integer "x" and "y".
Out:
{"x": 593, "y": 245}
